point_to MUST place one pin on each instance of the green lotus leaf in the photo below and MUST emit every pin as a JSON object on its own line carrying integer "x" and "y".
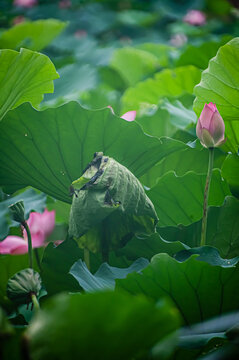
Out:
{"x": 111, "y": 196}
{"x": 25, "y": 77}
{"x": 21, "y": 285}
{"x": 33, "y": 35}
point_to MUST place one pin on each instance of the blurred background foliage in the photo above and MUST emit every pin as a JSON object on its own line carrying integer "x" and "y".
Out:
{"x": 95, "y": 44}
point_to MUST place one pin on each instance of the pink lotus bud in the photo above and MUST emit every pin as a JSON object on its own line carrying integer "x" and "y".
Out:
{"x": 210, "y": 127}
{"x": 195, "y": 17}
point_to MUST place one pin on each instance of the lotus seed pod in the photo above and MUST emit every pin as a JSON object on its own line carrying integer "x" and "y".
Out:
{"x": 22, "y": 285}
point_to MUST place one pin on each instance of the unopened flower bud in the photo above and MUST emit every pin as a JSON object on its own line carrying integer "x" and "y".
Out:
{"x": 210, "y": 127}
{"x": 18, "y": 211}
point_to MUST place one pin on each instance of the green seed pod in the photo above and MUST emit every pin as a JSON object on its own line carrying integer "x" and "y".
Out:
{"x": 18, "y": 211}
{"x": 109, "y": 201}
{"x": 22, "y": 285}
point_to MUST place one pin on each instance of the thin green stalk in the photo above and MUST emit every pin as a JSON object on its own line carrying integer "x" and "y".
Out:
{"x": 37, "y": 258}
{"x": 35, "y": 301}
{"x": 105, "y": 242}
{"x": 29, "y": 239}
{"x": 87, "y": 258}
{"x": 206, "y": 192}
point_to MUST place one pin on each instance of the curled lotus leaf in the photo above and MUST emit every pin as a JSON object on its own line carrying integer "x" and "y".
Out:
{"x": 109, "y": 206}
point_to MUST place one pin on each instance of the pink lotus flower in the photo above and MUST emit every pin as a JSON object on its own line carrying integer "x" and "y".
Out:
{"x": 40, "y": 225}
{"x": 128, "y": 116}
{"x": 25, "y": 3}
{"x": 18, "y": 20}
{"x": 195, "y": 17}
{"x": 178, "y": 40}
{"x": 80, "y": 34}
{"x": 210, "y": 127}
{"x": 64, "y": 4}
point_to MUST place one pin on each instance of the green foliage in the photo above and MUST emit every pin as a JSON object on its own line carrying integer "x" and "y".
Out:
{"x": 56, "y": 264}
{"x": 230, "y": 171}
{"x": 149, "y": 246}
{"x": 207, "y": 254}
{"x": 167, "y": 83}
{"x": 179, "y": 199}
{"x": 29, "y": 75}
{"x": 120, "y": 54}
{"x": 62, "y": 141}
{"x": 198, "y": 290}
{"x": 33, "y": 35}
{"x": 182, "y": 161}
{"x": 164, "y": 53}
{"x": 220, "y": 85}
{"x": 223, "y": 229}
{"x": 200, "y": 55}
{"x": 109, "y": 323}
{"x": 124, "y": 61}
{"x": 74, "y": 80}
{"x": 105, "y": 276}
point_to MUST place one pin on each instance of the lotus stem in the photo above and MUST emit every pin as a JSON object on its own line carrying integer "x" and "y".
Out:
{"x": 87, "y": 258}
{"x": 206, "y": 193}
{"x": 37, "y": 258}
{"x": 29, "y": 239}
{"x": 35, "y": 301}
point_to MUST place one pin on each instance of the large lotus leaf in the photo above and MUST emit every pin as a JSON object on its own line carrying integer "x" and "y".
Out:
{"x": 198, "y": 289}
{"x": 25, "y": 76}
{"x": 200, "y": 55}
{"x": 165, "y": 118}
{"x": 49, "y": 149}
{"x": 180, "y": 116}
{"x": 163, "y": 52}
{"x": 156, "y": 122}
{"x": 167, "y": 83}
{"x": 230, "y": 172}
{"x": 187, "y": 159}
{"x": 149, "y": 246}
{"x": 223, "y": 227}
{"x": 220, "y": 85}
{"x": 32, "y": 201}
{"x": 5, "y": 326}
{"x": 125, "y": 60}
{"x": 74, "y": 79}
{"x": 104, "y": 278}
{"x": 34, "y": 35}
{"x": 179, "y": 199}
{"x": 56, "y": 264}
{"x": 108, "y": 196}
{"x": 208, "y": 254}
{"x": 206, "y": 336}
{"x": 133, "y": 17}
{"x": 102, "y": 325}
{"x": 100, "y": 97}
